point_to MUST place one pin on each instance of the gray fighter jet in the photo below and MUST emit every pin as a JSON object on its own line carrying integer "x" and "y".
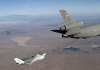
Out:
{"x": 74, "y": 29}
{"x": 30, "y": 60}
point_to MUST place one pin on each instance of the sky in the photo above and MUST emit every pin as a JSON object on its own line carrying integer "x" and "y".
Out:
{"x": 48, "y": 7}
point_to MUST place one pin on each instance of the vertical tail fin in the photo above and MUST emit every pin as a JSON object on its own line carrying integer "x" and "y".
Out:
{"x": 66, "y": 17}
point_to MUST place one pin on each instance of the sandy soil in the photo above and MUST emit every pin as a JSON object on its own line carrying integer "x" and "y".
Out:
{"x": 21, "y": 40}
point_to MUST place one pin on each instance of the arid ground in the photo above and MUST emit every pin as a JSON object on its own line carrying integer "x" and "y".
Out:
{"x": 28, "y": 39}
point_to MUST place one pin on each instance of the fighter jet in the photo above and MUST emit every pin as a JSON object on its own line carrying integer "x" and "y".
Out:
{"x": 29, "y": 60}
{"x": 74, "y": 29}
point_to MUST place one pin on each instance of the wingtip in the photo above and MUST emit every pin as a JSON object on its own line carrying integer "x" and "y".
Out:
{"x": 62, "y": 10}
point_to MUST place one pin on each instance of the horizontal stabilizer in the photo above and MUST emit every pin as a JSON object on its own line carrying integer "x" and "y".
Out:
{"x": 19, "y": 61}
{"x": 59, "y": 31}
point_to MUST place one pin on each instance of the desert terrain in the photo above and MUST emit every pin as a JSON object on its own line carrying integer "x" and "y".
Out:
{"x": 23, "y": 40}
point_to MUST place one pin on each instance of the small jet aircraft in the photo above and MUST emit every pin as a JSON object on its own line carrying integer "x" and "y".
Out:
{"x": 29, "y": 60}
{"x": 74, "y": 29}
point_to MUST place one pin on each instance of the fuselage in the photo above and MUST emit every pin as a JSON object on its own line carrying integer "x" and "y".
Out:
{"x": 85, "y": 32}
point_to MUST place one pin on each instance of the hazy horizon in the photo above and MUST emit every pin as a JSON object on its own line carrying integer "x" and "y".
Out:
{"x": 40, "y": 7}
